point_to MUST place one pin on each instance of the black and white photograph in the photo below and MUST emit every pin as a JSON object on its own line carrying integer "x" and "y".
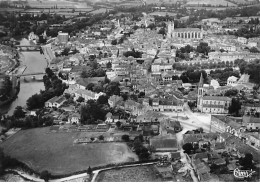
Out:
{"x": 129, "y": 91}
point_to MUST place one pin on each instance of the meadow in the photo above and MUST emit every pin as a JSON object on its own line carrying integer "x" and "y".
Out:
{"x": 55, "y": 152}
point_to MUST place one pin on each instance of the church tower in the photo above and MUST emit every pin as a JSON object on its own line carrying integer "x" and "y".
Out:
{"x": 200, "y": 93}
{"x": 170, "y": 28}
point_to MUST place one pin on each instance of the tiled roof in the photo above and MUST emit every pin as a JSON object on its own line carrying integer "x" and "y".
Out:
{"x": 217, "y": 98}
{"x": 161, "y": 143}
{"x": 186, "y": 29}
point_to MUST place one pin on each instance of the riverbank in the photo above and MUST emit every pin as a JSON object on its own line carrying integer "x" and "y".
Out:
{"x": 15, "y": 93}
{"x": 29, "y": 63}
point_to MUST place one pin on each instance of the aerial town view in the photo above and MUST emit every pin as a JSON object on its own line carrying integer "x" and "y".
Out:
{"x": 129, "y": 90}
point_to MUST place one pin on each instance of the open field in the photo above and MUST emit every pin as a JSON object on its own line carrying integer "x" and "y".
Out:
{"x": 130, "y": 174}
{"x": 56, "y": 153}
{"x": 210, "y": 2}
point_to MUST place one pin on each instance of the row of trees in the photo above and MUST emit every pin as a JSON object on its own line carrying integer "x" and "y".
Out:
{"x": 185, "y": 66}
{"x": 193, "y": 76}
{"x": 252, "y": 68}
{"x": 6, "y": 89}
{"x": 93, "y": 71}
{"x": 223, "y": 75}
{"x": 53, "y": 87}
{"x": 94, "y": 111}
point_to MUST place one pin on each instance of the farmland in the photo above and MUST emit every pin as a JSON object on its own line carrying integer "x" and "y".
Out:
{"x": 130, "y": 174}
{"x": 56, "y": 153}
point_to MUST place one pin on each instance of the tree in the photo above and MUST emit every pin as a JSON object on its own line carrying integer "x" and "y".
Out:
{"x": 45, "y": 175}
{"x": 254, "y": 50}
{"x": 6, "y": 89}
{"x": 188, "y": 148}
{"x": 2, "y": 157}
{"x": 35, "y": 101}
{"x": 101, "y": 137}
{"x": 231, "y": 92}
{"x": 125, "y": 138}
{"x": 222, "y": 50}
{"x": 18, "y": 112}
{"x": 109, "y": 65}
{"x": 151, "y": 26}
{"x": 118, "y": 124}
{"x": 162, "y": 31}
{"x": 114, "y": 42}
{"x": 102, "y": 99}
{"x": 100, "y": 72}
{"x": 112, "y": 89}
{"x": 247, "y": 161}
{"x": 90, "y": 86}
{"x": 98, "y": 88}
{"x": 89, "y": 72}
{"x": 234, "y": 107}
{"x": 49, "y": 72}
{"x": 89, "y": 171}
{"x": 80, "y": 99}
{"x": 203, "y": 48}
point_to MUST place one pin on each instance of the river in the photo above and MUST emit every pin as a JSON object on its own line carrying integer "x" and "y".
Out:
{"x": 35, "y": 63}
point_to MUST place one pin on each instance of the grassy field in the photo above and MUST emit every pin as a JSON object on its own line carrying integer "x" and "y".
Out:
{"x": 131, "y": 174}
{"x": 56, "y": 153}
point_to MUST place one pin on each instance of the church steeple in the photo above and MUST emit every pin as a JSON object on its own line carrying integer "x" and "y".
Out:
{"x": 201, "y": 81}
{"x": 200, "y": 93}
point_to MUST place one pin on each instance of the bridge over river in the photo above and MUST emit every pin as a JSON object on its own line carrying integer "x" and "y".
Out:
{"x": 28, "y": 47}
{"x": 31, "y": 74}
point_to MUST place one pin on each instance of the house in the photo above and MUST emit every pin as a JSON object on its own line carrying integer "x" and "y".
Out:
{"x": 253, "y": 139}
{"x": 201, "y": 169}
{"x": 202, "y": 156}
{"x": 219, "y": 162}
{"x": 232, "y": 80}
{"x": 87, "y": 95}
{"x": 221, "y": 123}
{"x": 250, "y": 108}
{"x": 112, "y": 118}
{"x": 164, "y": 144}
{"x": 165, "y": 172}
{"x": 74, "y": 119}
{"x": 112, "y": 101}
{"x": 219, "y": 147}
{"x": 242, "y": 40}
{"x": 175, "y": 156}
{"x": 102, "y": 127}
{"x": 252, "y": 123}
{"x": 187, "y": 138}
{"x": 167, "y": 104}
{"x": 55, "y": 102}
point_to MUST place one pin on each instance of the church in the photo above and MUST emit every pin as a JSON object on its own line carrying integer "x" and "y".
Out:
{"x": 211, "y": 104}
{"x": 184, "y": 33}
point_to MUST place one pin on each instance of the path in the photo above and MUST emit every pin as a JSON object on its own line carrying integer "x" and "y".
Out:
{"x": 82, "y": 175}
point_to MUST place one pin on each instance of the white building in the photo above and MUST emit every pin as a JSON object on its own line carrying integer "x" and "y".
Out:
{"x": 55, "y": 102}
{"x": 242, "y": 40}
{"x": 232, "y": 80}
{"x": 63, "y": 37}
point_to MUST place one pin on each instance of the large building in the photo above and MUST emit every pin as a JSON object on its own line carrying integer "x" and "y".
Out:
{"x": 184, "y": 33}
{"x": 211, "y": 104}
{"x": 63, "y": 37}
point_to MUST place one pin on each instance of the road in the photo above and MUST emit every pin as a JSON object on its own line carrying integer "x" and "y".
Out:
{"x": 82, "y": 175}
{"x": 196, "y": 120}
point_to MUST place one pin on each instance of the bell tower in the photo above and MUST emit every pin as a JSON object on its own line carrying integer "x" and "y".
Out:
{"x": 170, "y": 28}
{"x": 200, "y": 93}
